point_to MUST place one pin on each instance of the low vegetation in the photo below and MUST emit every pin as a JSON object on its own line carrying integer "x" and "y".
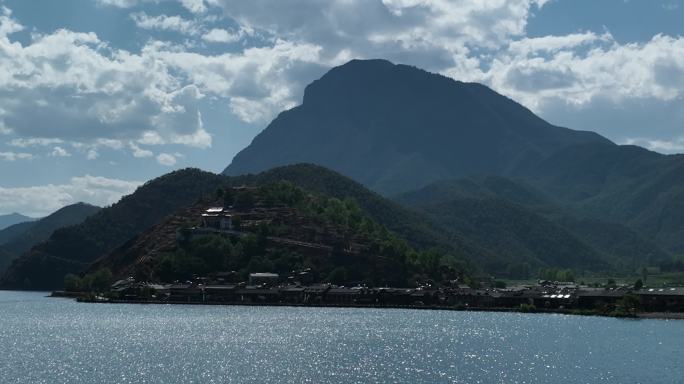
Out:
{"x": 97, "y": 281}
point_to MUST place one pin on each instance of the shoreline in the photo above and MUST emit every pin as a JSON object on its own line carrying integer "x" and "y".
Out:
{"x": 661, "y": 315}
{"x": 642, "y": 315}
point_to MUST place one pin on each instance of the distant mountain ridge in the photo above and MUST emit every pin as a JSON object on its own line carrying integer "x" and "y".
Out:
{"x": 15, "y": 230}
{"x": 13, "y": 218}
{"x": 19, "y": 238}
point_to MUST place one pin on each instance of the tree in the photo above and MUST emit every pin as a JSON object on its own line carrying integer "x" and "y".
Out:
{"x": 565, "y": 275}
{"x": 638, "y": 284}
{"x": 228, "y": 197}
{"x": 429, "y": 261}
{"x": 165, "y": 268}
{"x": 244, "y": 199}
{"x": 237, "y": 222}
{"x": 100, "y": 280}
{"x": 338, "y": 276}
{"x": 73, "y": 283}
{"x": 628, "y": 304}
{"x": 213, "y": 250}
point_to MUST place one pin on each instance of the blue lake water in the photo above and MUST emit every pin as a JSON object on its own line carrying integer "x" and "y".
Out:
{"x": 44, "y": 340}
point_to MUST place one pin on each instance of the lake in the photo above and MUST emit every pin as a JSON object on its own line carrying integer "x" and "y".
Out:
{"x": 46, "y": 340}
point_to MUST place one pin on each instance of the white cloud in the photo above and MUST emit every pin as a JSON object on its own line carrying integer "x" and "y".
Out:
{"x": 73, "y": 87}
{"x": 108, "y": 143}
{"x": 672, "y": 146}
{"x": 393, "y": 27}
{"x": 119, "y": 3}
{"x": 139, "y": 152}
{"x": 12, "y": 156}
{"x": 166, "y": 159}
{"x": 59, "y": 152}
{"x": 7, "y": 24}
{"x": 257, "y": 82}
{"x": 604, "y": 69}
{"x": 42, "y": 200}
{"x": 218, "y": 35}
{"x": 165, "y": 23}
{"x": 92, "y": 154}
{"x": 550, "y": 43}
{"x": 34, "y": 142}
{"x": 194, "y": 6}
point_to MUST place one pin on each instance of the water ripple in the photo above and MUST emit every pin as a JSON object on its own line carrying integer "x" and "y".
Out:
{"x": 59, "y": 341}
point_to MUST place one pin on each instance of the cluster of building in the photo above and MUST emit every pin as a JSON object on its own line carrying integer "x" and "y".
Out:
{"x": 300, "y": 231}
{"x": 264, "y": 289}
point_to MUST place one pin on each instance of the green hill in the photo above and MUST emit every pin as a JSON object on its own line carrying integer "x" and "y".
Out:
{"x": 284, "y": 229}
{"x": 516, "y": 235}
{"x": 408, "y": 223}
{"x": 625, "y": 184}
{"x": 519, "y": 223}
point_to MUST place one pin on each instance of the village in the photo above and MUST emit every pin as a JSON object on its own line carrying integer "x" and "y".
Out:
{"x": 300, "y": 289}
{"x": 267, "y": 289}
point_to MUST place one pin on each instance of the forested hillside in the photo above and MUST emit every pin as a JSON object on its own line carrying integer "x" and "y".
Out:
{"x": 283, "y": 229}
{"x": 520, "y": 223}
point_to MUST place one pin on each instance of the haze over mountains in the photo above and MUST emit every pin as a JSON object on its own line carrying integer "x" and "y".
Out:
{"x": 443, "y": 164}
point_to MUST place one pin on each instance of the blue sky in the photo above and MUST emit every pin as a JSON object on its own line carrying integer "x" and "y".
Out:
{"x": 97, "y": 96}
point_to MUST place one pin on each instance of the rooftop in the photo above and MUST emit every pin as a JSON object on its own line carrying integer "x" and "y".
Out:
{"x": 679, "y": 291}
{"x": 263, "y": 274}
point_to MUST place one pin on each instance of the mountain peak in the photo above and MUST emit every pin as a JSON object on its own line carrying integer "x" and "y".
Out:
{"x": 367, "y": 63}
{"x": 358, "y": 77}
{"x": 395, "y": 127}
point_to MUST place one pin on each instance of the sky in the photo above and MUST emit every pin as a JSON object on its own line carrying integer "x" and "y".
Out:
{"x": 98, "y": 96}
